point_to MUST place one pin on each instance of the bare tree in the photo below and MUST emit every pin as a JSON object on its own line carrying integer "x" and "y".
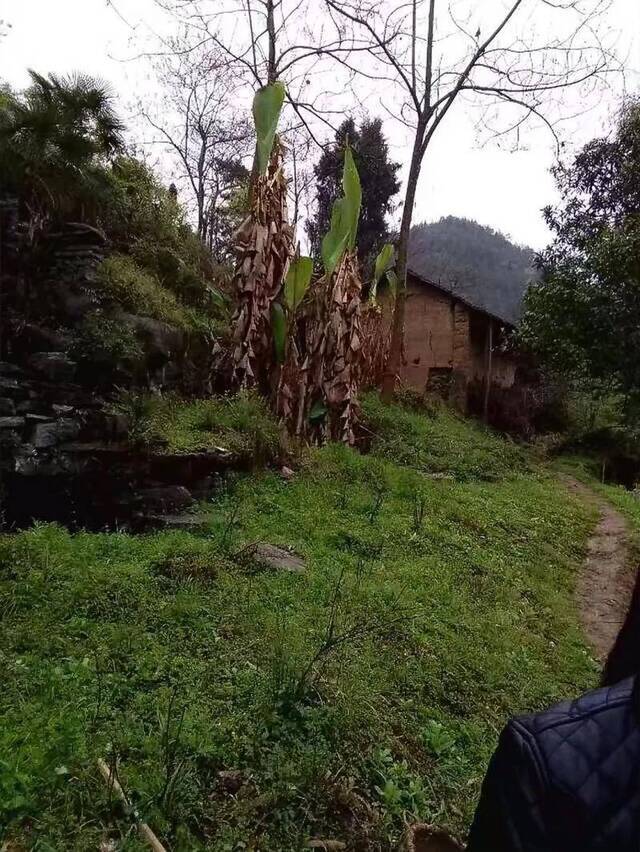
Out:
{"x": 436, "y": 53}
{"x": 199, "y": 121}
{"x": 286, "y": 40}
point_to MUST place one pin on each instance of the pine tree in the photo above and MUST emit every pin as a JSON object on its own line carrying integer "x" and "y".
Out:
{"x": 378, "y": 176}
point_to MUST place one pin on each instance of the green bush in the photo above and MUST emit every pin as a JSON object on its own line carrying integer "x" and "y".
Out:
{"x": 123, "y": 281}
{"x": 440, "y": 443}
{"x": 105, "y": 341}
{"x": 145, "y": 220}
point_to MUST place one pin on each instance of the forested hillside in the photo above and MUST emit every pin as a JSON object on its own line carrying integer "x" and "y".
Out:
{"x": 481, "y": 264}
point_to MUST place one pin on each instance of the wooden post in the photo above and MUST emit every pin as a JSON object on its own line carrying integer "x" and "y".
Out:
{"x": 488, "y": 367}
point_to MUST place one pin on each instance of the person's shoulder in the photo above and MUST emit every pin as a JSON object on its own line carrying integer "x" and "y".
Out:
{"x": 596, "y": 704}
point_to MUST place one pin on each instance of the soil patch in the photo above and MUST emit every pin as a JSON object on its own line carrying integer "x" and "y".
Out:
{"x": 606, "y": 582}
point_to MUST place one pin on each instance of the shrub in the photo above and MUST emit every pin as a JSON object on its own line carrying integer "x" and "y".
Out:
{"x": 105, "y": 341}
{"x": 138, "y": 409}
{"x": 124, "y": 282}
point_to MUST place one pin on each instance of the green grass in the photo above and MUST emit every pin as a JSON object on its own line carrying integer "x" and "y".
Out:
{"x": 440, "y": 442}
{"x": 241, "y": 424}
{"x": 366, "y": 691}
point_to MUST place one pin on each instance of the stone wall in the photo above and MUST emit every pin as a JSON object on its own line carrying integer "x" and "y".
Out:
{"x": 65, "y": 457}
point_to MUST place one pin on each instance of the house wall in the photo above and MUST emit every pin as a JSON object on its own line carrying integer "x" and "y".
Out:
{"x": 428, "y": 335}
{"x": 442, "y": 334}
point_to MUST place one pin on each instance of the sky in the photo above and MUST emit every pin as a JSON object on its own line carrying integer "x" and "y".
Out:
{"x": 461, "y": 176}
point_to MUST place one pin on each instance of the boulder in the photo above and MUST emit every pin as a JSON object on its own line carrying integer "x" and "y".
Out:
{"x": 7, "y": 407}
{"x": 161, "y": 340}
{"x": 48, "y": 434}
{"x": 277, "y": 558}
{"x": 54, "y": 366}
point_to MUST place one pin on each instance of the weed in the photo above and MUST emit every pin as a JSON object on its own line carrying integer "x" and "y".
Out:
{"x": 138, "y": 409}
{"x": 437, "y": 738}
{"x": 419, "y": 506}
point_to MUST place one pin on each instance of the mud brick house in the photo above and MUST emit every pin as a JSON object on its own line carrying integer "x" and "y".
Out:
{"x": 455, "y": 345}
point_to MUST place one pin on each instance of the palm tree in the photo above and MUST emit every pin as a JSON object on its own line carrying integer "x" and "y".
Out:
{"x": 55, "y": 139}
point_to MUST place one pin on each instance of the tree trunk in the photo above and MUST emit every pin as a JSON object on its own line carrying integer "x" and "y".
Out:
{"x": 397, "y": 328}
{"x": 271, "y": 32}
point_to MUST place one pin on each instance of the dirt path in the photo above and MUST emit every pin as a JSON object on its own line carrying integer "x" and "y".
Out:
{"x": 606, "y": 581}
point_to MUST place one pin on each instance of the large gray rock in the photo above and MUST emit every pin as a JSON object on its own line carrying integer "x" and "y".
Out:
{"x": 7, "y": 407}
{"x": 54, "y": 366}
{"x": 161, "y": 340}
{"x": 45, "y": 435}
{"x": 277, "y": 558}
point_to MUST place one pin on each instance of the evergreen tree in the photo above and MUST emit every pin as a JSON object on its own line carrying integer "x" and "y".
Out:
{"x": 583, "y": 318}
{"x": 380, "y": 184}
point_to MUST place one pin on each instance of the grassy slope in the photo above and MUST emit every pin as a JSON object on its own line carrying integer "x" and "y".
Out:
{"x": 179, "y": 655}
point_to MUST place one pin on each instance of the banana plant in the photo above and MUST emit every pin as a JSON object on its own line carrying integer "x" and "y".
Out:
{"x": 384, "y": 264}
{"x": 296, "y": 285}
{"x": 344, "y": 217}
{"x": 267, "y": 105}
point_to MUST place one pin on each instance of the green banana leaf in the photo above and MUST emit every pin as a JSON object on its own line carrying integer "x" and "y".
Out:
{"x": 352, "y": 195}
{"x": 279, "y": 325}
{"x": 383, "y": 264}
{"x": 344, "y": 217}
{"x": 267, "y": 105}
{"x": 297, "y": 281}
{"x": 334, "y": 243}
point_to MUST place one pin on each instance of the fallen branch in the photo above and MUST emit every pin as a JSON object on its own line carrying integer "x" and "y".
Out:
{"x": 143, "y": 829}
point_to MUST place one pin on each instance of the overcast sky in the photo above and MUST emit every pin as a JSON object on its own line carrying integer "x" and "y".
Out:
{"x": 488, "y": 183}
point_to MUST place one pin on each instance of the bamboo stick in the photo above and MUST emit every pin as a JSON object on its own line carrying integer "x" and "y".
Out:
{"x": 143, "y": 829}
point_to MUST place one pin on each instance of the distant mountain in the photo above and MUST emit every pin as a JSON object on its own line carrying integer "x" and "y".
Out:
{"x": 477, "y": 263}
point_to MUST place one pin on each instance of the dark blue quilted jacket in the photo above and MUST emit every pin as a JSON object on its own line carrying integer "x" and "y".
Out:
{"x": 566, "y": 780}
